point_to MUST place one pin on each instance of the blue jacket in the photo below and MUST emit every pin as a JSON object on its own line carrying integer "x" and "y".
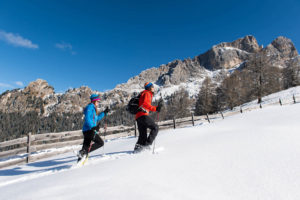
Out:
{"x": 90, "y": 117}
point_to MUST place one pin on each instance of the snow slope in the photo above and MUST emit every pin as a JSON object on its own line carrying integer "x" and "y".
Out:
{"x": 254, "y": 155}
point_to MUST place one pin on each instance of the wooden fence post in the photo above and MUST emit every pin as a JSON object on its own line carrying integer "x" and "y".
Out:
{"x": 280, "y": 102}
{"x": 28, "y": 147}
{"x": 222, "y": 114}
{"x": 174, "y": 123}
{"x": 294, "y": 98}
{"x": 241, "y": 110}
{"x": 207, "y": 118}
{"x": 260, "y": 105}
{"x": 193, "y": 119}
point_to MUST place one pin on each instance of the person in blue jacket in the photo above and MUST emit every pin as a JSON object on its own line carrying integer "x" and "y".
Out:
{"x": 90, "y": 128}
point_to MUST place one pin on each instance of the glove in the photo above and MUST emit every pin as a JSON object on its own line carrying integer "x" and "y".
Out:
{"x": 159, "y": 106}
{"x": 96, "y": 128}
{"x": 107, "y": 110}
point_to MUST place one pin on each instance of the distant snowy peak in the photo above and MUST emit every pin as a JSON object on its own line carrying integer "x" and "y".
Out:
{"x": 221, "y": 59}
{"x": 281, "y": 52}
{"x": 40, "y": 97}
{"x": 222, "y": 56}
{"x": 229, "y": 54}
{"x": 247, "y": 44}
{"x": 189, "y": 73}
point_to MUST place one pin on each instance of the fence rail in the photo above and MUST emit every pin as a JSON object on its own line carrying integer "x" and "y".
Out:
{"x": 26, "y": 148}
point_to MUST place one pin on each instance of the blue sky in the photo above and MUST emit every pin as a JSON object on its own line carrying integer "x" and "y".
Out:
{"x": 71, "y": 43}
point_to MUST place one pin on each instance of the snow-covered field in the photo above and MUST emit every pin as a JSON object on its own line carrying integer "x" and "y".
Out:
{"x": 254, "y": 155}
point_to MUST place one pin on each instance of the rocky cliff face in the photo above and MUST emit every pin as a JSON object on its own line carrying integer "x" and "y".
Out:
{"x": 281, "y": 52}
{"x": 27, "y": 100}
{"x": 40, "y": 97}
{"x": 216, "y": 62}
{"x": 223, "y": 56}
{"x": 229, "y": 54}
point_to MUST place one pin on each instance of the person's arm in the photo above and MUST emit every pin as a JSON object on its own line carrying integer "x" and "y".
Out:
{"x": 89, "y": 117}
{"x": 100, "y": 116}
{"x": 147, "y": 103}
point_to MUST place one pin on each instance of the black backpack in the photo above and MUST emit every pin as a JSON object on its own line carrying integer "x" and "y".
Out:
{"x": 133, "y": 105}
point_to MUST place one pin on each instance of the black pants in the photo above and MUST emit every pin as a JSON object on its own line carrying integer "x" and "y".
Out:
{"x": 143, "y": 123}
{"x": 90, "y": 136}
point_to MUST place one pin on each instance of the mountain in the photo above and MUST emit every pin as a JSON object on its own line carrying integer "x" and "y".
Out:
{"x": 189, "y": 74}
{"x": 282, "y": 52}
{"x": 38, "y": 99}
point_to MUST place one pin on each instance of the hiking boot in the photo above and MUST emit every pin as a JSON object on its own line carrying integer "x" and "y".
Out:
{"x": 81, "y": 154}
{"x": 139, "y": 148}
{"x": 147, "y": 147}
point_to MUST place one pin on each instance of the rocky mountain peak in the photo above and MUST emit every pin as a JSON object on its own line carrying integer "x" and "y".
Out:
{"x": 27, "y": 100}
{"x": 283, "y": 46}
{"x": 228, "y": 54}
{"x": 247, "y": 43}
{"x": 39, "y": 88}
{"x": 281, "y": 52}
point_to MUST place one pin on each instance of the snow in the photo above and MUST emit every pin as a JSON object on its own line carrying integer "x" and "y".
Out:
{"x": 19, "y": 157}
{"x": 286, "y": 96}
{"x": 232, "y": 49}
{"x": 254, "y": 155}
{"x": 193, "y": 85}
{"x": 192, "y": 88}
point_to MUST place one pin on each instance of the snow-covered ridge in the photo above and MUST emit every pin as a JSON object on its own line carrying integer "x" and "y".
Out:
{"x": 223, "y": 49}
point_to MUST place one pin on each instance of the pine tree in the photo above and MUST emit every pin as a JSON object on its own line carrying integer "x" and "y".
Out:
{"x": 206, "y": 101}
{"x": 178, "y": 105}
{"x": 232, "y": 90}
{"x": 291, "y": 74}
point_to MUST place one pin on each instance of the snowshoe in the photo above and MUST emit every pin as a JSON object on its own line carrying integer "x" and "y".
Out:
{"x": 81, "y": 155}
{"x": 139, "y": 148}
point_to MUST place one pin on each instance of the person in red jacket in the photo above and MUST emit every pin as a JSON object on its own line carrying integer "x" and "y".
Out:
{"x": 144, "y": 121}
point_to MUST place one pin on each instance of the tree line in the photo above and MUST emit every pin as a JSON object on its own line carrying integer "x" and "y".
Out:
{"x": 257, "y": 78}
{"x": 15, "y": 125}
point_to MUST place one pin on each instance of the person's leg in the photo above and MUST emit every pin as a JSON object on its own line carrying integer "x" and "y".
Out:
{"x": 142, "y": 131}
{"x": 86, "y": 141}
{"x": 86, "y": 145}
{"x": 154, "y": 130}
{"x": 98, "y": 142}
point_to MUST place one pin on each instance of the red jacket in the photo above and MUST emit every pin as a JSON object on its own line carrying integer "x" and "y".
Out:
{"x": 145, "y": 104}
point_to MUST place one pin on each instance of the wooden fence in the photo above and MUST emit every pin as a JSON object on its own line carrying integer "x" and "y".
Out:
{"x": 26, "y": 148}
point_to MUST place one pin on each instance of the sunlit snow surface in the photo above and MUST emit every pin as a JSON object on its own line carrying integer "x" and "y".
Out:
{"x": 254, "y": 155}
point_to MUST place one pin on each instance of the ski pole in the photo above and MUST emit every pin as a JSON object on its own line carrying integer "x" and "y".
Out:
{"x": 105, "y": 127}
{"x": 92, "y": 141}
{"x": 91, "y": 144}
{"x": 154, "y": 139}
